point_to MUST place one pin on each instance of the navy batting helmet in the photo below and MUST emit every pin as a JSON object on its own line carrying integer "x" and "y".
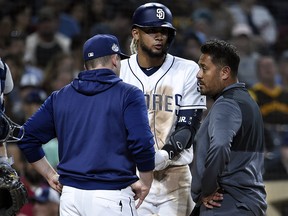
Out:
{"x": 154, "y": 15}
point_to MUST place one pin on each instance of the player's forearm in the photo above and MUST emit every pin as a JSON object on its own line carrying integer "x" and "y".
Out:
{"x": 43, "y": 167}
{"x": 146, "y": 178}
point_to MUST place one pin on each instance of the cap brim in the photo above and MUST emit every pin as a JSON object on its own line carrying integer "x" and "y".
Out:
{"x": 123, "y": 56}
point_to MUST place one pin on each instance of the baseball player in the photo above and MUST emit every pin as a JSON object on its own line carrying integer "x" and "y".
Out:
{"x": 13, "y": 194}
{"x": 174, "y": 107}
{"x": 6, "y": 86}
{"x": 7, "y": 126}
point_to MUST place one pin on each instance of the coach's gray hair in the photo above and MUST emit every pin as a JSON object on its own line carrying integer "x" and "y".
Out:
{"x": 133, "y": 46}
{"x": 98, "y": 61}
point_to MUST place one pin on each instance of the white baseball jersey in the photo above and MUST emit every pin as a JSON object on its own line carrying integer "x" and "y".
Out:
{"x": 170, "y": 89}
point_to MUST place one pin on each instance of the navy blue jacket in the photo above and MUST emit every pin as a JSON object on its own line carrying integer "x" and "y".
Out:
{"x": 102, "y": 129}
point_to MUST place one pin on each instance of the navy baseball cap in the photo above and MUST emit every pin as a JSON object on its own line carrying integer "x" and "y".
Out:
{"x": 102, "y": 45}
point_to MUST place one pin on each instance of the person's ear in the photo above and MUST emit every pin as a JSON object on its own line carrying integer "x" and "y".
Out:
{"x": 135, "y": 33}
{"x": 225, "y": 72}
{"x": 114, "y": 59}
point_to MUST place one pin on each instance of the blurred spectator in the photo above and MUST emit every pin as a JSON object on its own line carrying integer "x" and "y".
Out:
{"x": 98, "y": 11}
{"x": 71, "y": 20}
{"x": 277, "y": 169}
{"x": 118, "y": 24}
{"x": 32, "y": 101}
{"x": 201, "y": 22}
{"x": 76, "y": 52}
{"x": 24, "y": 76}
{"x": 258, "y": 18}
{"x": 242, "y": 38}
{"x": 43, "y": 44}
{"x": 273, "y": 103}
{"x": 29, "y": 82}
{"x": 221, "y": 21}
{"x": 21, "y": 16}
{"x": 15, "y": 55}
{"x": 16, "y": 45}
{"x": 71, "y": 15}
{"x": 279, "y": 10}
{"x": 59, "y": 72}
{"x": 46, "y": 202}
{"x": 283, "y": 69}
{"x": 271, "y": 97}
{"x": 191, "y": 46}
{"x": 6, "y": 28}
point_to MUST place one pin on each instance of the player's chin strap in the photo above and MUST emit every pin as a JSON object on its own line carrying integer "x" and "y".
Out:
{"x": 9, "y": 130}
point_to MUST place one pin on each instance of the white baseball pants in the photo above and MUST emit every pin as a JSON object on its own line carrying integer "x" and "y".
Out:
{"x": 78, "y": 202}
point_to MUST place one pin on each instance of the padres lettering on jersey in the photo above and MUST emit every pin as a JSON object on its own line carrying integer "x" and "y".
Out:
{"x": 162, "y": 102}
{"x": 171, "y": 89}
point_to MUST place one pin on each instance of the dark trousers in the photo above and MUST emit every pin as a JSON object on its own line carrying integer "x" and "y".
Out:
{"x": 229, "y": 207}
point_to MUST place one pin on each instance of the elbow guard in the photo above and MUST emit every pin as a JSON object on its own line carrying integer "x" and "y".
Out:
{"x": 183, "y": 137}
{"x": 179, "y": 140}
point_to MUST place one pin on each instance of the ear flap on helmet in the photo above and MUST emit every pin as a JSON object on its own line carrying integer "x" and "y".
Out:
{"x": 9, "y": 130}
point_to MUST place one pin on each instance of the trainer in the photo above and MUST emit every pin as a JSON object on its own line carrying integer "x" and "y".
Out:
{"x": 103, "y": 133}
{"x": 229, "y": 158}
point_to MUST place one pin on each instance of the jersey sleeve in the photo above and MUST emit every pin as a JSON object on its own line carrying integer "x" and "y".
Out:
{"x": 192, "y": 98}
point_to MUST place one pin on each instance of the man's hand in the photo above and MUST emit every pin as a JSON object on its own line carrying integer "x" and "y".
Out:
{"x": 142, "y": 187}
{"x": 43, "y": 167}
{"x": 54, "y": 183}
{"x": 212, "y": 200}
{"x": 140, "y": 191}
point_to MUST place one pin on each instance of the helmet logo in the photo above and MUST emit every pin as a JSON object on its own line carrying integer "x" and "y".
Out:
{"x": 91, "y": 54}
{"x": 160, "y": 13}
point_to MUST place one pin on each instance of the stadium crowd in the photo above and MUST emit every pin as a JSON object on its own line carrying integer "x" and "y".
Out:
{"x": 41, "y": 41}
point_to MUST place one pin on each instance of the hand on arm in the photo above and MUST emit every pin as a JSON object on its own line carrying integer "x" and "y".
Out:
{"x": 47, "y": 171}
{"x": 142, "y": 186}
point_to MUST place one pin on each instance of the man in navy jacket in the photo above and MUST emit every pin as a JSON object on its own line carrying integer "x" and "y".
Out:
{"x": 103, "y": 132}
